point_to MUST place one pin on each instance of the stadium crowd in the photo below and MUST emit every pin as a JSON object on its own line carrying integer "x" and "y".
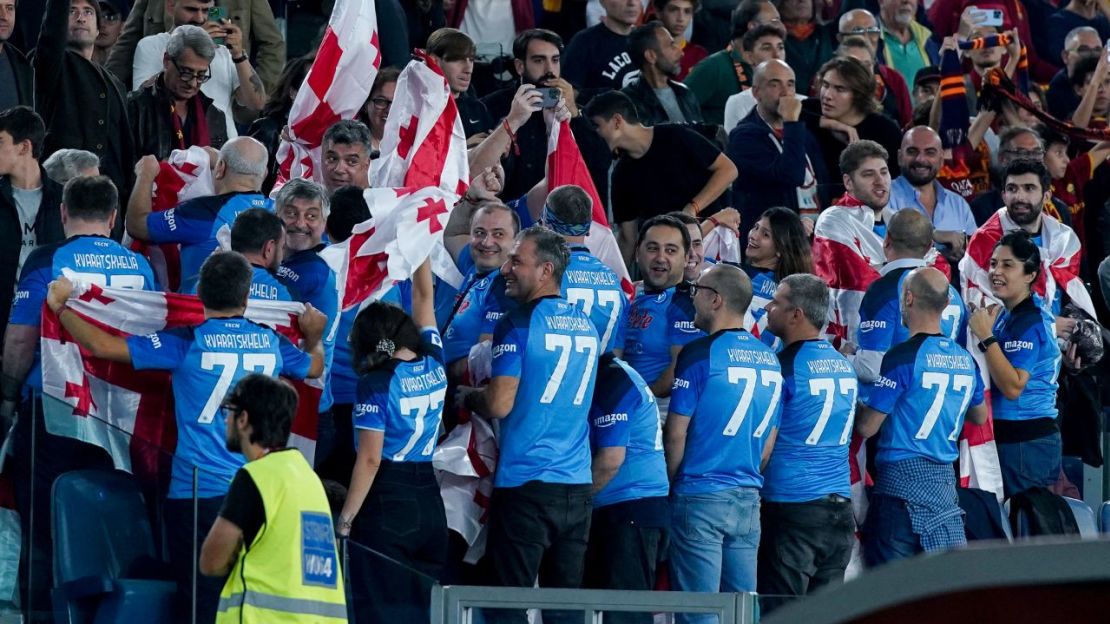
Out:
{"x": 857, "y": 232}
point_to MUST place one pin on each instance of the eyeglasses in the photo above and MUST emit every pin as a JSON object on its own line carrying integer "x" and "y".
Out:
{"x": 230, "y": 410}
{"x": 83, "y": 12}
{"x": 381, "y": 103}
{"x": 111, "y": 18}
{"x": 1086, "y": 50}
{"x": 1024, "y": 153}
{"x": 874, "y": 30}
{"x": 694, "y": 288}
{"x": 188, "y": 75}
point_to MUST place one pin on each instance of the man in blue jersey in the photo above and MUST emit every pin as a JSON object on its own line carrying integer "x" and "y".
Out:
{"x": 807, "y": 523}
{"x": 259, "y": 235}
{"x": 545, "y": 355}
{"x": 205, "y": 362}
{"x": 587, "y": 282}
{"x": 720, "y": 431}
{"x": 909, "y": 236}
{"x": 302, "y": 205}
{"x": 917, "y": 406}
{"x": 661, "y": 318}
{"x": 238, "y": 176}
{"x": 631, "y": 515}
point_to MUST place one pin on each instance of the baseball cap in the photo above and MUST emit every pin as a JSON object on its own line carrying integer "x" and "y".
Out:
{"x": 926, "y": 74}
{"x": 120, "y": 7}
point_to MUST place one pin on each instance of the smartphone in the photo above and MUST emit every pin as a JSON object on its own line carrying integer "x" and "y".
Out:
{"x": 986, "y": 17}
{"x": 217, "y": 14}
{"x": 550, "y": 96}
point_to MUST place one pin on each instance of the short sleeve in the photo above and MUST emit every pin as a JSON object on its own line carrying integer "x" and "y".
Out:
{"x": 432, "y": 343}
{"x": 689, "y": 379}
{"x": 876, "y": 332}
{"x": 697, "y": 147}
{"x": 510, "y": 338}
{"x": 609, "y": 418}
{"x": 1023, "y": 349}
{"x": 164, "y": 350}
{"x": 680, "y": 327}
{"x": 893, "y": 381}
{"x": 372, "y": 400}
{"x": 183, "y": 224}
{"x": 243, "y": 506}
{"x": 980, "y": 389}
{"x": 295, "y": 363}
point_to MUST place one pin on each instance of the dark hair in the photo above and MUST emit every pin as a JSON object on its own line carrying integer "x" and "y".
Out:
{"x": 1024, "y": 249}
{"x": 571, "y": 204}
{"x": 451, "y": 44}
{"x": 24, "y": 124}
{"x": 526, "y": 37}
{"x": 225, "y": 281}
{"x": 859, "y": 79}
{"x": 1022, "y": 166}
{"x": 496, "y": 205}
{"x": 1084, "y": 67}
{"x": 379, "y": 330}
{"x": 666, "y": 221}
{"x": 348, "y": 209}
{"x": 550, "y": 247}
{"x": 662, "y": 4}
{"x": 385, "y": 76}
{"x": 764, "y": 30}
{"x": 856, "y": 41}
{"x": 610, "y": 103}
{"x": 684, "y": 217}
{"x": 253, "y": 228}
{"x": 643, "y": 38}
{"x": 853, "y": 156}
{"x": 291, "y": 78}
{"x": 348, "y": 132}
{"x": 90, "y": 198}
{"x": 270, "y": 404}
{"x": 791, "y": 242}
{"x": 744, "y": 13}
{"x": 1050, "y": 136}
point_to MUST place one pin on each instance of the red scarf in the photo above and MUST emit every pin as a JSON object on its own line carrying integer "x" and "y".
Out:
{"x": 199, "y": 133}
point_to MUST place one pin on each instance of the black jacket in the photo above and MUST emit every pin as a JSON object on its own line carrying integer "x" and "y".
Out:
{"x": 24, "y": 74}
{"x": 651, "y": 109}
{"x": 148, "y": 109}
{"x": 48, "y": 229}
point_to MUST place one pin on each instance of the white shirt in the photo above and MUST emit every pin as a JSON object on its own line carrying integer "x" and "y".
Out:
{"x": 739, "y": 105}
{"x": 27, "y": 202}
{"x": 490, "y": 21}
{"x": 220, "y": 88}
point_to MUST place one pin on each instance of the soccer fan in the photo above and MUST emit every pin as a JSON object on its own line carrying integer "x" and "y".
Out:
{"x": 760, "y": 45}
{"x": 16, "y": 85}
{"x": 720, "y": 431}
{"x": 866, "y": 178}
{"x": 909, "y": 237}
{"x": 1081, "y": 42}
{"x": 346, "y": 152}
{"x": 1016, "y": 143}
{"x": 453, "y": 51}
{"x": 238, "y": 176}
{"x": 658, "y": 96}
{"x": 661, "y": 318}
{"x": 907, "y": 45}
{"x": 1019, "y": 344}
{"x": 397, "y": 415}
{"x": 204, "y": 361}
{"x": 587, "y": 282}
{"x": 597, "y": 58}
{"x": 809, "y": 43}
{"x": 676, "y": 16}
{"x": 259, "y": 235}
{"x": 291, "y": 567}
{"x": 807, "y": 529}
{"x": 545, "y": 356}
{"x": 112, "y": 15}
{"x": 778, "y": 246}
{"x": 696, "y": 262}
{"x": 66, "y": 164}
{"x": 913, "y": 506}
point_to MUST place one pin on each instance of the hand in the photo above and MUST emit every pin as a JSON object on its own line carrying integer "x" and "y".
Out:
{"x": 808, "y": 225}
{"x": 982, "y": 320}
{"x": 841, "y": 127}
{"x": 60, "y": 291}
{"x": 1071, "y": 357}
{"x": 486, "y": 185}
{"x": 950, "y": 43}
{"x": 957, "y": 242}
{"x": 148, "y": 168}
{"x": 213, "y": 157}
{"x": 568, "y": 94}
{"x": 967, "y": 23}
{"x": 233, "y": 39}
{"x": 730, "y": 218}
{"x": 526, "y": 101}
{"x": 848, "y": 348}
{"x": 1065, "y": 327}
{"x": 1014, "y": 47}
{"x": 556, "y": 114}
{"x": 215, "y": 30}
{"x": 790, "y": 108}
{"x": 461, "y": 393}
{"x": 343, "y": 526}
{"x": 312, "y": 323}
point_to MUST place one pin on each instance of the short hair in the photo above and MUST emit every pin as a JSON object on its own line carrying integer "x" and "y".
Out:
{"x": 643, "y": 38}
{"x": 733, "y": 286}
{"x": 253, "y": 228}
{"x": 385, "y": 76}
{"x": 924, "y": 294}
{"x": 859, "y": 79}
{"x": 1084, "y": 68}
{"x": 238, "y": 163}
{"x": 487, "y": 206}
{"x": 571, "y": 204}
{"x": 192, "y": 37}
{"x": 550, "y": 247}
{"x": 810, "y": 294}
{"x": 270, "y": 404}
{"x": 745, "y": 12}
{"x": 66, "y": 164}
{"x": 607, "y": 105}
{"x": 1022, "y": 166}
{"x": 1024, "y": 249}
{"x": 348, "y": 132}
{"x": 526, "y": 37}
{"x": 24, "y": 124}
{"x": 910, "y": 232}
{"x": 856, "y": 41}
{"x": 301, "y": 188}
{"x": 748, "y": 41}
{"x": 225, "y": 281}
{"x": 1007, "y": 136}
{"x": 666, "y": 221}
{"x": 92, "y": 198}
{"x": 451, "y": 44}
{"x": 662, "y": 4}
{"x": 853, "y": 156}
{"x": 348, "y": 209}
{"x": 1074, "y": 33}
{"x": 1049, "y": 136}
{"x": 684, "y": 217}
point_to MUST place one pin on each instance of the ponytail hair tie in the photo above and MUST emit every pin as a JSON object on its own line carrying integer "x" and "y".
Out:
{"x": 385, "y": 345}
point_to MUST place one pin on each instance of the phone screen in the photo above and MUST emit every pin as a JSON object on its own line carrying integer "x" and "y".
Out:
{"x": 217, "y": 14}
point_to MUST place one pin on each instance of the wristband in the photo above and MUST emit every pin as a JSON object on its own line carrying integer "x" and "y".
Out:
{"x": 697, "y": 208}
{"x": 986, "y": 343}
{"x": 713, "y": 220}
{"x": 240, "y": 59}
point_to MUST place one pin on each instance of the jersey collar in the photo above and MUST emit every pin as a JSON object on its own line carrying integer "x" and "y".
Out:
{"x": 902, "y": 263}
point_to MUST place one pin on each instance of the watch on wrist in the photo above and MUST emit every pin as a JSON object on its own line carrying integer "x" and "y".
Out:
{"x": 239, "y": 59}
{"x": 986, "y": 343}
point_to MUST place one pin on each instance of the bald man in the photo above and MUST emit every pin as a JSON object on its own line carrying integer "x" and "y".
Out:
{"x": 920, "y": 157}
{"x": 913, "y": 506}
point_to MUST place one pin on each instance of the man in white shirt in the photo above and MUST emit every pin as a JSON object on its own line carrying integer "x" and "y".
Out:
{"x": 231, "y": 71}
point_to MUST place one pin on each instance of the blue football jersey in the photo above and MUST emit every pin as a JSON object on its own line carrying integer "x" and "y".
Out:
{"x": 480, "y": 303}
{"x": 264, "y": 285}
{"x": 1027, "y": 336}
{"x": 344, "y": 380}
{"x": 310, "y": 280}
{"x": 658, "y": 320}
{"x": 206, "y": 362}
{"x": 763, "y": 290}
{"x": 552, "y": 348}
{"x": 596, "y": 290}
{"x": 925, "y": 386}
{"x": 89, "y": 259}
{"x": 730, "y": 385}
{"x": 405, "y": 401}
{"x": 195, "y": 223}
{"x": 810, "y": 458}
{"x": 624, "y": 414}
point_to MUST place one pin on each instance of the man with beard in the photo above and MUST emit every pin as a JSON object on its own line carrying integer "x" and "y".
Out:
{"x": 920, "y": 159}
{"x": 597, "y": 58}
{"x": 907, "y": 45}
{"x": 259, "y": 235}
{"x": 863, "y": 166}
{"x": 657, "y": 96}
{"x": 1015, "y": 143}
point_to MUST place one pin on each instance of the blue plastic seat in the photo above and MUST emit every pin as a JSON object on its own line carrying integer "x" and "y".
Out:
{"x": 1104, "y": 516}
{"x": 105, "y": 566}
{"x": 1084, "y": 517}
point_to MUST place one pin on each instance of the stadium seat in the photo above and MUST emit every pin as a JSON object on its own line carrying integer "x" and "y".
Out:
{"x": 105, "y": 568}
{"x": 1084, "y": 517}
{"x": 1104, "y": 516}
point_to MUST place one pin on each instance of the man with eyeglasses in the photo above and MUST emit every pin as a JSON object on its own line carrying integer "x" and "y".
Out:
{"x": 892, "y": 85}
{"x": 1015, "y": 143}
{"x": 169, "y": 112}
{"x": 112, "y": 14}
{"x": 1082, "y": 42}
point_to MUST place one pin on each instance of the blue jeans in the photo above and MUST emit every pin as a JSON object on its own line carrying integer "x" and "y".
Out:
{"x": 887, "y": 533}
{"x": 714, "y": 543}
{"x": 1029, "y": 464}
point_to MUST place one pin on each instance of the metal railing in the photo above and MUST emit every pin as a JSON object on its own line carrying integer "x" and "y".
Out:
{"x": 455, "y": 604}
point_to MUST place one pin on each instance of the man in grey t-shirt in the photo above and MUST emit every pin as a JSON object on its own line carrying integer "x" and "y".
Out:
{"x": 657, "y": 96}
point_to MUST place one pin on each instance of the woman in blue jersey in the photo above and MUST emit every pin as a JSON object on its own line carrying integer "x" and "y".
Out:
{"x": 393, "y": 506}
{"x": 1018, "y": 343}
{"x": 777, "y": 246}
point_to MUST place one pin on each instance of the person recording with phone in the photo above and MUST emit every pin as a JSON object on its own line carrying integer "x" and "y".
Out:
{"x": 658, "y": 97}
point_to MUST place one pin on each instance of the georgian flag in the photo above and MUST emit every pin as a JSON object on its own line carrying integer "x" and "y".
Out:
{"x": 335, "y": 88}
{"x": 847, "y": 254}
{"x": 130, "y": 413}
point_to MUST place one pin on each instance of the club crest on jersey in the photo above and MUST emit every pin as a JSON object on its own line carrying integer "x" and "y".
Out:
{"x": 661, "y": 297}
{"x": 640, "y": 318}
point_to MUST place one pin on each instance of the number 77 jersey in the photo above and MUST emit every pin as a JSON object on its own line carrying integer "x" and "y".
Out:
{"x": 729, "y": 384}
